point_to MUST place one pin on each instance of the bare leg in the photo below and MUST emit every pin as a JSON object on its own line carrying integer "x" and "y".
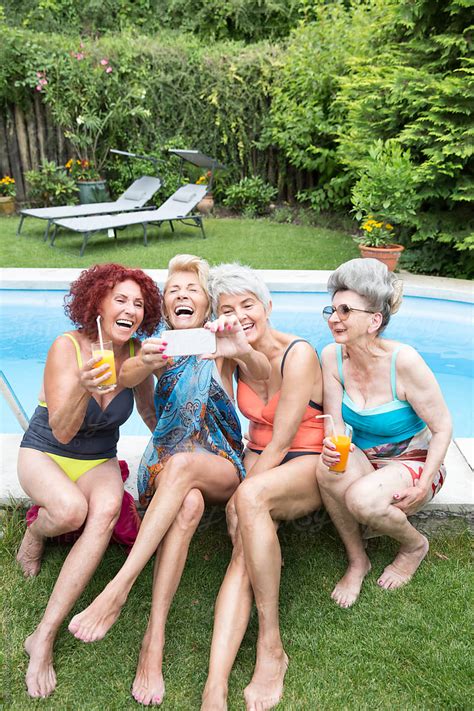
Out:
{"x": 333, "y": 489}
{"x": 370, "y": 500}
{"x": 287, "y": 492}
{"x": 231, "y": 618}
{"x": 148, "y": 686}
{"x": 214, "y": 476}
{"x": 63, "y": 506}
{"x": 102, "y": 489}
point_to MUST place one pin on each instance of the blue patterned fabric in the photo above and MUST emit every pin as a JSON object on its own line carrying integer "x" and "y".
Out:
{"x": 194, "y": 412}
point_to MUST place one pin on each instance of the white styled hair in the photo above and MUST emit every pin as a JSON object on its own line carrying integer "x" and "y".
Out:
{"x": 372, "y": 280}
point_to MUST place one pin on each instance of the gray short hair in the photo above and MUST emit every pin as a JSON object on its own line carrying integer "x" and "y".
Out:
{"x": 236, "y": 279}
{"x": 372, "y": 280}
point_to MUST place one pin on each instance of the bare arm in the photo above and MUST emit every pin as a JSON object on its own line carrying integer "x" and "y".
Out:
{"x": 421, "y": 390}
{"x": 68, "y": 389}
{"x": 333, "y": 391}
{"x": 302, "y": 370}
{"x": 149, "y": 360}
{"x": 143, "y": 394}
{"x": 232, "y": 344}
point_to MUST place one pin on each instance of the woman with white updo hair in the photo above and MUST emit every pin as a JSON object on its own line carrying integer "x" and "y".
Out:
{"x": 401, "y": 426}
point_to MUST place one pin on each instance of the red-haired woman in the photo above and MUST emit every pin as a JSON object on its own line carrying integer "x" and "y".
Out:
{"x": 67, "y": 462}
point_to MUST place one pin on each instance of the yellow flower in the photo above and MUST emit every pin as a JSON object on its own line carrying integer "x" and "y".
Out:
{"x": 388, "y": 226}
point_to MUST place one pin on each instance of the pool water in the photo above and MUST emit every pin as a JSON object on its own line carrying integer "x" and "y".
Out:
{"x": 440, "y": 330}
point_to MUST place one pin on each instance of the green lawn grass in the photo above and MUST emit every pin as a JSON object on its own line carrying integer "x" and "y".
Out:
{"x": 402, "y": 650}
{"x": 261, "y": 244}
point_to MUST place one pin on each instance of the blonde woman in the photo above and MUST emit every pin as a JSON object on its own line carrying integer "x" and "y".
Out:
{"x": 194, "y": 457}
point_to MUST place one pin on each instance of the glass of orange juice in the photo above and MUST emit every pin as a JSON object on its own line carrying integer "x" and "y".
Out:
{"x": 106, "y": 353}
{"x": 343, "y": 444}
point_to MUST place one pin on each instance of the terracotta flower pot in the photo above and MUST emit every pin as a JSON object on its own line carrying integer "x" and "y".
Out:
{"x": 7, "y": 205}
{"x": 388, "y": 255}
{"x": 206, "y": 205}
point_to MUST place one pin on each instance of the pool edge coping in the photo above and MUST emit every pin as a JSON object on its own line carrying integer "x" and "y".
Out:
{"x": 291, "y": 280}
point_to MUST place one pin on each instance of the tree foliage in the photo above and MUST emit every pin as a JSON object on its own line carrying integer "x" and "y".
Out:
{"x": 365, "y": 105}
{"x": 245, "y": 20}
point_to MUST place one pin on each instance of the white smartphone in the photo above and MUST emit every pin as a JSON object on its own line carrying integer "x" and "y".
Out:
{"x": 189, "y": 341}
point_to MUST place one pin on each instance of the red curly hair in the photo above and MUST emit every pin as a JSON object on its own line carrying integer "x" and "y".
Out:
{"x": 87, "y": 292}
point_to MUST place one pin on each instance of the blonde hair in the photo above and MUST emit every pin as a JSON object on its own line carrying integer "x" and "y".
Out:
{"x": 189, "y": 263}
{"x": 372, "y": 280}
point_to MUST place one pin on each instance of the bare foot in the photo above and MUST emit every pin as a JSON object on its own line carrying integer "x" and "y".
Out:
{"x": 266, "y": 688}
{"x": 406, "y": 563}
{"x": 40, "y": 675}
{"x": 30, "y": 553}
{"x": 214, "y": 697}
{"x": 148, "y": 686}
{"x": 94, "y": 622}
{"x": 348, "y": 588}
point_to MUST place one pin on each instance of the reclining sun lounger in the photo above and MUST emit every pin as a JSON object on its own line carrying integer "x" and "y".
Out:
{"x": 134, "y": 198}
{"x": 178, "y": 207}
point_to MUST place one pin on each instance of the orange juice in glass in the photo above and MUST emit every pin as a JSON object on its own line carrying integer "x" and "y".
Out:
{"x": 106, "y": 353}
{"x": 343, "y": 444}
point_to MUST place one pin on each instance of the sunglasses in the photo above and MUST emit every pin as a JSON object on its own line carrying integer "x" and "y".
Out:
{"x": 343, "y": 311}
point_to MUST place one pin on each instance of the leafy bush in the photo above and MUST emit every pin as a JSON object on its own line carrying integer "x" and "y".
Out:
{"x": 50, "y": 186}
{"x": 388, "y": 184}
{"x": 416, "y": 89}
{"x": 218, "y": 19}
{"x": 252, "y": 196}
{"x": 305, "y": 117}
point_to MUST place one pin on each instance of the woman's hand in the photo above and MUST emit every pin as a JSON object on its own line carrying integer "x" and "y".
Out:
{"x": 230, "y": 338}
{"x": 152, "y": 353}
{"x": 409, "y": 500}
{"x": 91, "y": 378}
{"x": 329, "y": 454}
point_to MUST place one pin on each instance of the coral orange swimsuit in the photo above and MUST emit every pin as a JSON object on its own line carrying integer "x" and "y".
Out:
{"x": 307, "y": 440}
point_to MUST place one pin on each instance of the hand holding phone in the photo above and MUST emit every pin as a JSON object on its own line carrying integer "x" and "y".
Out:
{"x": 189, "y": 341}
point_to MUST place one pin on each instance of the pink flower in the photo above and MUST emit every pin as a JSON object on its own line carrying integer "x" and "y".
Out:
{"x": 42, "y": 82}
{"x": 39, "y": 88}
{"x": 79, "y": 56}
{"x": 39, "y": 74}
{"x": 108, "y": 70}
{"x": 104, "y": 62}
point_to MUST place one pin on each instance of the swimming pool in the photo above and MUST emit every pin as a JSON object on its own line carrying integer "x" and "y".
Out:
{"x": 440, "y": 330}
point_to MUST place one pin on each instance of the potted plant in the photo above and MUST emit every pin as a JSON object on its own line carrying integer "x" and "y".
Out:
{"x": 378, "y": 241}
{"x": 87, "y": 178}
{"x": 206, "y": 205}
{"x": 7, "y": 195}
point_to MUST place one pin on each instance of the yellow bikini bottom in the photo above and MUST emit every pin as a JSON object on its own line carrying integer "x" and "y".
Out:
{"x": 75, "y": 468}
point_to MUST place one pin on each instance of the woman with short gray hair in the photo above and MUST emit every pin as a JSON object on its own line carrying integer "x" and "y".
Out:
{"x": 401, "y": 426}
{"x": 284, "y": 443}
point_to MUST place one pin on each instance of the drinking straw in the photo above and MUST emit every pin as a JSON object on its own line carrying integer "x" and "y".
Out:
{"x": 329, "y": 417}
{"x": 100, "y": 335}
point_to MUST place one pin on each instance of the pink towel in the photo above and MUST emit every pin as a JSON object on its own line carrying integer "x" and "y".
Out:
{"x": 125, "y": 530}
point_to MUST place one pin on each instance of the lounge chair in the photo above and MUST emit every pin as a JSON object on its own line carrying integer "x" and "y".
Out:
{"x": 178, "y": 207}
{"x": 134, "y": 198}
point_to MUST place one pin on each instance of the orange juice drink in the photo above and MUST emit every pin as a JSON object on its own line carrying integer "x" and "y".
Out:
{"x": 343, "y": 443}
{"x": 106, "y": 358}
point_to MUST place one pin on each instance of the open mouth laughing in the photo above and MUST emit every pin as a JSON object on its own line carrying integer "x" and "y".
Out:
{"x": 124, "y": 323}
